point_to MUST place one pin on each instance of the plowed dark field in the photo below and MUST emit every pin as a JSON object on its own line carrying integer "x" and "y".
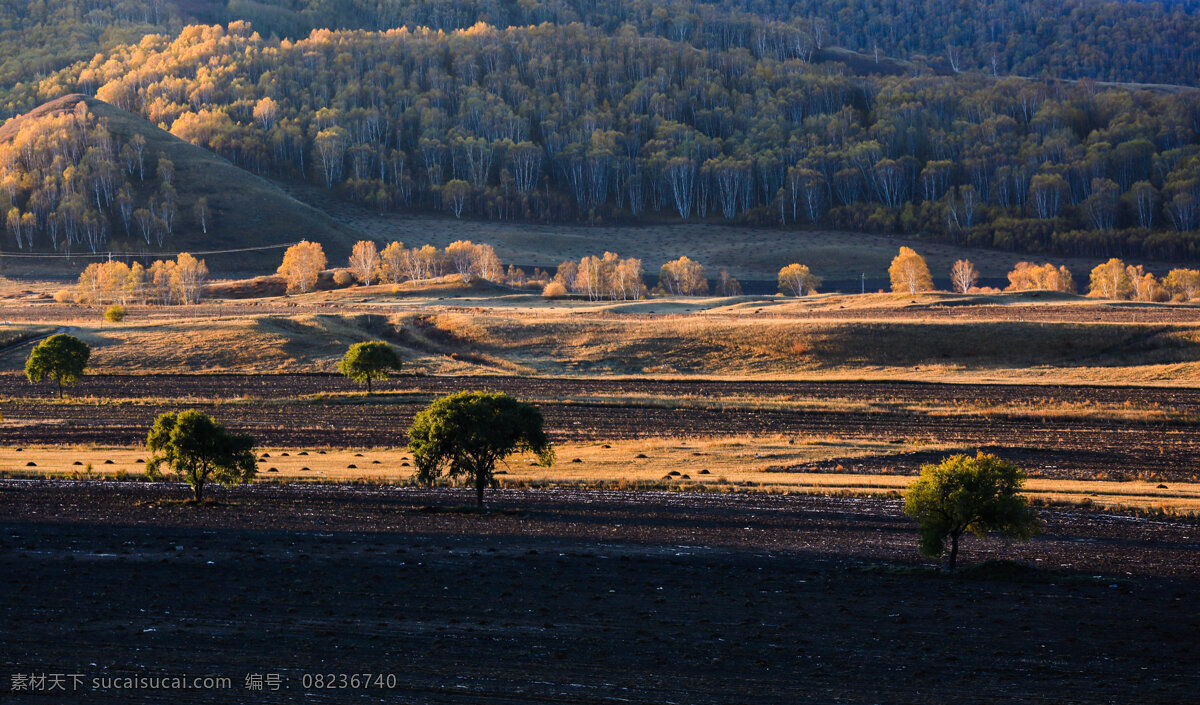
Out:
{"x": 580, "y": 597}
{"x": 1048, "y": 445}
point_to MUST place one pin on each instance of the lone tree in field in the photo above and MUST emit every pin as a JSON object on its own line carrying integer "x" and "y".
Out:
{"x": 364, "y": 362}
{"x": 199, "y": 449}
{"x": 302, "y": 265}
{"x": 464, "y": 435}
{"x": 798, "y": 280}
{"x": 61, "y": 358}
{"x": 964, "y": 494}
{"x": 364, "y": 261}
{"x": 963, "y": 276}
{"x": 909, "y": 272}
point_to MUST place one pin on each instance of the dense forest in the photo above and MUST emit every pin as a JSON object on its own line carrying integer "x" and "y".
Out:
{"x": 1114, "y": 41}
{"x": 558, "y": 123}
{"x": 1105, "y": 40}
{"x": 744, "y": 111}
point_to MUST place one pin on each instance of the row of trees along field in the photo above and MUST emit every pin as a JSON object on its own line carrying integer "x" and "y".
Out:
{"x": 303, "y": 263}
{"x": 558, "y": 123}
{"x": 68, "y": 182}
{"x": 609, "y": 276}
{"x": 615, "y": 278}
{"x": 1113, "y": 279}
{"x": 165, "y": 282}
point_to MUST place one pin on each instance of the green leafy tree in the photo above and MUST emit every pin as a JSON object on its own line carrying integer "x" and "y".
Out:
{"x": 464, "y": 435}
{"x": 964, "y": 494}
{"x": 115, "y": 313}
{"x": 364, "y": 362}
{"x": 199, "y": 449}
{"x": 61, "y": 358}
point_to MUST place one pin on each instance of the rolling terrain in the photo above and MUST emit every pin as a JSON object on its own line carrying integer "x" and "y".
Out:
{"x": 245, "y": 211}
{"x": 732, "y": 511}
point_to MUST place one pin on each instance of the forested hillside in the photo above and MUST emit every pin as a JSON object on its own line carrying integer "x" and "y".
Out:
{"x": 629, "y": 110}
{"x": 1104, "y": 40}
{"x": 80, "y": 175}
{"x": 558, "y": 123}
{"x": 1117, "y": 41}
{"x": 1101, "y": 39}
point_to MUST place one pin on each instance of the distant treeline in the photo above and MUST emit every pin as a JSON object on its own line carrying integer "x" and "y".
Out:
{"x": 1155, "y": 42}
{"x": 559, "y": 124}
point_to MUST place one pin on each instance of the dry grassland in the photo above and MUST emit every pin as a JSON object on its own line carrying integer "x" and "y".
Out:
{"x": 454, "y": 330}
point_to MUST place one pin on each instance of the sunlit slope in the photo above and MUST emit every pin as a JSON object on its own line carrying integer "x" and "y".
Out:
{"x": 243, "y": 210}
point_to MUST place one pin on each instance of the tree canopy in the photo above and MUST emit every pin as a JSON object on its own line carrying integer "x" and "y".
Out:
{"x": 368, "y": 361}
{"x": 798, "y": 280}
{"x": 909, "y": 272}
{"x": 302, "y": 265}
{"x": 964, "y": 494}
{"x": 464, "y": 435}
{"x": 199, "y": 449}
{"x": 61, "y": 358}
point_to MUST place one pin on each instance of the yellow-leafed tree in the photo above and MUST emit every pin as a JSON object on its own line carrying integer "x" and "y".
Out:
{"x": 683, "y": 276}
{"x": 798, "y": 280}
{"x": 909, "y": 273}
{"x": 395, "y": 263}
{"x": 302, "y": 264}
{"x": 1110, "y": 281}
{"x": 364, "y": 261}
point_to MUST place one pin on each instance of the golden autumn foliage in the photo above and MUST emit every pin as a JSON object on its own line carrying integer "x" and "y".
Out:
{"x": 1110, "y": 280}
{"x": 909, "y": 272}
{"x": 472, "y": 261}
{"x": 683, "y": 277}
{"x": 165, "y": 282}
{"x": 605, "y": 277}
{"x": 302, "y": 265}
{"x": 364, "y": 261}
{"x": 797, "y": 280}
{"x": 1027, "y": 276}
{"x": 1182, "y": 284}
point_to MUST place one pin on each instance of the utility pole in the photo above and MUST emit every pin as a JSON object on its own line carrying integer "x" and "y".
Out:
{"x": 864, "y": 282}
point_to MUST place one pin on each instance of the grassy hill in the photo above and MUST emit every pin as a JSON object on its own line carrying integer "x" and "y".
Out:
{"x": 245, "y": 210}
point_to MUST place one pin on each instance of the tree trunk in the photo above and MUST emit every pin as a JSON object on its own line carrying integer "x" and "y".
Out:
{"x": 60, "y": 389}
{"x": 368, "y": 384}
{"x": 198, "y": 491}
{"x": 953, "y": 559}
{"x": 479, "y": 491}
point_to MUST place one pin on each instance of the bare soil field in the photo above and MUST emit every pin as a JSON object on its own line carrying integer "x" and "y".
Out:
{"x": 582, "y": 597}
{"x": 1064, "y": 432}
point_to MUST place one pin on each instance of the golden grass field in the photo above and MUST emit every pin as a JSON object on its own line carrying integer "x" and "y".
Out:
{"x": 449, "y": 329}
{"x": 732, "y": 464}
